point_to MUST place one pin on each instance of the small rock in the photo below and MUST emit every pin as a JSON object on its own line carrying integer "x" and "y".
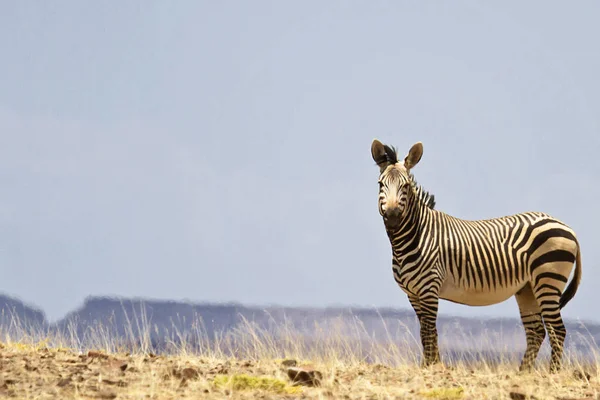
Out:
{"x": 123, "y": 367}
{"x": 114, "y": 363}
{"x": 304, "y": 376}
{"x": 115, "y": 383}
{"x": 220, "y": 369}
{"x": 380, "y": 367}
{"x": 521, "y": 396}
{"x": 63, "y": 382}
{"x": 97, "y": 354}
{"x": 31, "y": 368}
{"x": 583, "y": 375}
{"x": 106, "y": 395}
{"x": 150, "y": 357}
{"x": 186, "y": 373}
{"x": 190, "y": 373}
{"x": 289, "y": 363}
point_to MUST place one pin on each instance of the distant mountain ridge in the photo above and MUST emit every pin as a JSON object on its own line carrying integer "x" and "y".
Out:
{"x": 160, "y": 322}
{"x": 13, "y": 310}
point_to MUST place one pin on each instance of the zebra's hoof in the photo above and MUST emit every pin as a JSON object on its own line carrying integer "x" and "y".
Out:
{"x": 555, "y": 368}
{"x": 431, "y": 363}
{"x": 525, "y": 368}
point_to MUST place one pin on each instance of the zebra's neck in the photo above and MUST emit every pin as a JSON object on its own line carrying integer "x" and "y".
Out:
{"x": 406, "y": 236}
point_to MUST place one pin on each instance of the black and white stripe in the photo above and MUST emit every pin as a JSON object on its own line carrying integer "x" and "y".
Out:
{"x": 438, "y": 256}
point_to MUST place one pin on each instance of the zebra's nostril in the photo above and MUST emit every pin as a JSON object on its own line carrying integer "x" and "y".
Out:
{"x": 392, "y": 212}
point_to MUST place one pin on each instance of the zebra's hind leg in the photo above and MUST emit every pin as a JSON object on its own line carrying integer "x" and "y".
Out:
{"x": 532, "y": 322}
{"x": 426, "y": 309}
{"x": 554, "y": 325}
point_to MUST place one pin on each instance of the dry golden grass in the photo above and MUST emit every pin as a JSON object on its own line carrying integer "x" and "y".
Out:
{"x": 248, "y": 365}
{"x": 38, "y": 372}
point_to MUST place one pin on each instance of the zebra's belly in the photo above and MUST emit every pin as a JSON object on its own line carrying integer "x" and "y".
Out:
{"x": 477, "y": 296}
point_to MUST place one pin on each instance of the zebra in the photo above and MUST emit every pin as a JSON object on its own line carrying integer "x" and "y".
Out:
{"x": 475, "y": 262}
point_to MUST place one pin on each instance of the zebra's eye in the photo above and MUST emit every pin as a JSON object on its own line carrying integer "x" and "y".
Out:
{"x": 380, "y": 184}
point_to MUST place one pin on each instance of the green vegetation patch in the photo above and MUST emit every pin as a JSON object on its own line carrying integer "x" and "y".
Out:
{"x": 25, "y": 345}
{"x": 247, "y": 382}
{"x": 444, "y": 393}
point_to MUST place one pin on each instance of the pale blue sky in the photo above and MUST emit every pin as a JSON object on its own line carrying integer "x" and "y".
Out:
{"x": 220, "y": 151}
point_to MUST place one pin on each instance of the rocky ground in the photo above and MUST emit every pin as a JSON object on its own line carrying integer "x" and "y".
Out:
{"x": 37, "y": 372}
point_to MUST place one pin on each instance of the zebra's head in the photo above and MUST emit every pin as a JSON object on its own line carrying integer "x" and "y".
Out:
{"x": 395, "y": 180}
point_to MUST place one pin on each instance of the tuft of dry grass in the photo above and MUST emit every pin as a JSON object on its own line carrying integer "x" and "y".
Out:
{"x": 247, "y": 364}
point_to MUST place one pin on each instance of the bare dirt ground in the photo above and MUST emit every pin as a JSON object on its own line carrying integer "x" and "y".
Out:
{"x": 30, "y": 372}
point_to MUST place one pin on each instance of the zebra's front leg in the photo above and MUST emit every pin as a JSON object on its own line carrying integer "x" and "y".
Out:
{"x": 426, "y": 309}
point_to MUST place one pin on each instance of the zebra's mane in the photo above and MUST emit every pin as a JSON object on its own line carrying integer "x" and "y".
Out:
{"x": 422, "y": 195}
{"x": 391, "y": 155}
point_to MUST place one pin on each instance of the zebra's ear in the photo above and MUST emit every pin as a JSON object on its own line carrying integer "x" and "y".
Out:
{"x": 379, "y": 154}
{"x": 414, "y": 155}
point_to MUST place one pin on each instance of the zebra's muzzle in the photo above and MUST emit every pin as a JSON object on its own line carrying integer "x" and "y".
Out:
{"x": 392, "y": 212}
{"x": 391, "y": 217}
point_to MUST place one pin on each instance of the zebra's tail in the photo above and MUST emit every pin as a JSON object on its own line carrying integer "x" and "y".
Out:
{"x": 572, "y": 288}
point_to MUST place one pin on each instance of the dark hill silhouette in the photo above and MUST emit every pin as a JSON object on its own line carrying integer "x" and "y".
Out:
{"x": 16, "y": 315}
